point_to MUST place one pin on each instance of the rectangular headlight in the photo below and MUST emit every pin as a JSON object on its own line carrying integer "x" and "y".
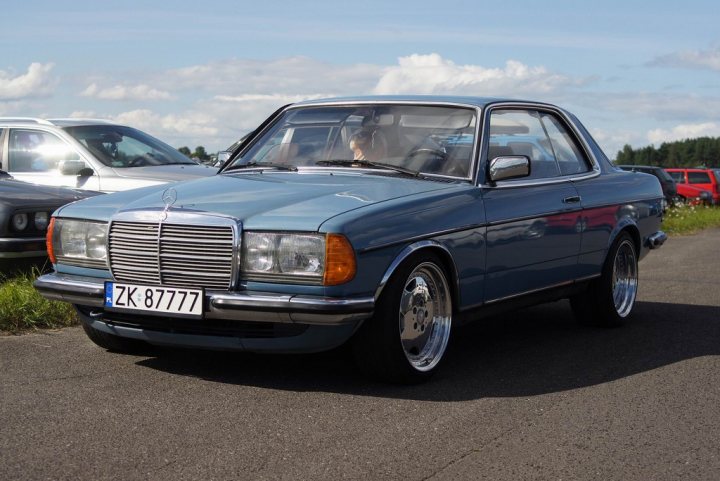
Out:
{"x": 283, "y": 256}
{"x": 80, "y": 243}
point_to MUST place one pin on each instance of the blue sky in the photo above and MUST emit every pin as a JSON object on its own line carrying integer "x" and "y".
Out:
{"x": 205, "y": 72}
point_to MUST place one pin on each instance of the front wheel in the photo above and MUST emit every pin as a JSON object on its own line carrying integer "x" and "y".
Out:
{"x": 407, "y": 337}
{"x": 609, "y": 300}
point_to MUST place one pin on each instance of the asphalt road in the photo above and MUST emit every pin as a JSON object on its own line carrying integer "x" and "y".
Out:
{"x": 527, "y": 396}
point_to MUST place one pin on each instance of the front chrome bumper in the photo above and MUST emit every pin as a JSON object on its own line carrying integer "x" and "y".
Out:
{"x": 15, "y": 248}
{"x": 239, "y": 306}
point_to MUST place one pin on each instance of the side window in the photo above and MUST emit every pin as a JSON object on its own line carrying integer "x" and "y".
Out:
{"x": 521, "y": 132}
{"x": 569, "y": 155}
{"x": 698, "y": 177}
{"x": 677, "y": 176}
{"x": 37, "y": 151}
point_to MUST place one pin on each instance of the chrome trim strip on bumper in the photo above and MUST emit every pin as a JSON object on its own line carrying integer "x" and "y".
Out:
{"x": 14, "y": 248}
{"x": 239, "y": 306}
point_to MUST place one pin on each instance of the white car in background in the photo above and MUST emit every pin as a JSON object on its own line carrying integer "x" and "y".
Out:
{"x": 90, "y": 154}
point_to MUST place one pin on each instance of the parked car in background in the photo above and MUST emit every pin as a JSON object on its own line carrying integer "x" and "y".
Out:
{"x": 224, "y": 155}
{"x": 666, "y": 182}
{"x": 704, "y": 179}
{"x": 689, "y": 194}
{"x": 25, "y": 211}
{"x": 90, "y": 154}
{"x": 382, "y": 221}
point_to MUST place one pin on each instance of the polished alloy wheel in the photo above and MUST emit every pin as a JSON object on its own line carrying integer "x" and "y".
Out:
{"x": 625, "y": 278}
{"x": 425, "y": 316}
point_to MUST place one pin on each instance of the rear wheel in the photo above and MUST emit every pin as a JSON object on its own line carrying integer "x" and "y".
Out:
{"x": 609, "y": 300}
{"x": 407, "y": 337}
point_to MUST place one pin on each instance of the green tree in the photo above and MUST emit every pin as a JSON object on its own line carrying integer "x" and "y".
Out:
{"x": 703, "y": 151}
{"x": 200, "y": 153}
{"x": 185, "y": 151}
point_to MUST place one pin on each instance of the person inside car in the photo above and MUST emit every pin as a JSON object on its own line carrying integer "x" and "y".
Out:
{"x": 360, "y": 144}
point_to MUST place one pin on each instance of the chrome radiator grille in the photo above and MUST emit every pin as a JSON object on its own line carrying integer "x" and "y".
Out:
{"x": 183, "y": 255}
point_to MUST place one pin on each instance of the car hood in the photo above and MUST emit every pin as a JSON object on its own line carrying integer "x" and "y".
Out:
{"x": 25, "y": 194}
{"x": 269, "y": 200}
{"x": 167, "y": 173}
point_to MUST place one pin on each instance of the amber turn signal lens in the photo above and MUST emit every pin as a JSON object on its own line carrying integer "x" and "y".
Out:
{"x": 49, "y": 239}
{"x": 340, "y": 264}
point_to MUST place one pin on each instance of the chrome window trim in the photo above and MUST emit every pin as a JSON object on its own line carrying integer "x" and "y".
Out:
{"x": 575, "y": 132}
{"x": 474, "y": 161}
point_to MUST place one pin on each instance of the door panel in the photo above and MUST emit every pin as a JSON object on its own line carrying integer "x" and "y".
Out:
{"x": 533, "y": 238}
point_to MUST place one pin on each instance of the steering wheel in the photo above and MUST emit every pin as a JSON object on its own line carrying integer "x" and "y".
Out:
{"x": 428, "y": 151}
{"x": 138, "y": 161}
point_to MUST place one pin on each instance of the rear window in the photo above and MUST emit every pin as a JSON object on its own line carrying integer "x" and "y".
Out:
{"x": 699, "y": 178}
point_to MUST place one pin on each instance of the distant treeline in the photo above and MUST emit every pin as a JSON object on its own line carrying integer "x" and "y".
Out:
{"x": 703, "y": 151}
{"x": 200, "y": 153}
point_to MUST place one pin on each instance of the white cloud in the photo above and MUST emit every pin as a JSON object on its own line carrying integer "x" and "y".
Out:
{"x": 125, "y": 92}
{"x": 37, "y": 82}
{"x": 301, "y": 76}
{"x": 143, "y": 119}
{"x": 277, "y": 98}
{"x": 83, "y": 114}
{"x": 703, "y": 59}
{"x": 684, "y": 131}
{"x": 432, "y": 74}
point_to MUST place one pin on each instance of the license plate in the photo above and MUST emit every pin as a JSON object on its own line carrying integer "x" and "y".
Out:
{"x": 154, "y": 299}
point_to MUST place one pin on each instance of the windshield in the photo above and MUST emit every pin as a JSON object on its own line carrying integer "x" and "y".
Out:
{"x": 120, "y": 147}
{"x": 431, "y": 140}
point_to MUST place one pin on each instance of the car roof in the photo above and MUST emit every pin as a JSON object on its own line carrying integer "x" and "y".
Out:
{"x": 419, "y": 99}
{"x": 60, "y": 122}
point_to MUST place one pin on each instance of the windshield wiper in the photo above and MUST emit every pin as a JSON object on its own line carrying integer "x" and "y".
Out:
{"x": 371, "y": 163}
{"x": 270, "y": 165}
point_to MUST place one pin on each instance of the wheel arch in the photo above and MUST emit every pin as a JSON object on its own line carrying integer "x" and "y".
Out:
{"x": 442, "y": 252}
{"x": 626, "y": 225}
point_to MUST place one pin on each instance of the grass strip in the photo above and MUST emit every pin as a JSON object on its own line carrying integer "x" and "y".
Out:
{"x": 689, "y": 219}
{"x": 23, "y": 309}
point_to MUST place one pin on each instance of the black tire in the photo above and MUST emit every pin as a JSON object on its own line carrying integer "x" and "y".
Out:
{"x": 114, "y": 343}
{"x": 416, "y": 301}
{"x": 608, "y": 301}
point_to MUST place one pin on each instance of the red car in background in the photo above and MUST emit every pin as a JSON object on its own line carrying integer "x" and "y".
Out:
{"x": 704, "y": 179}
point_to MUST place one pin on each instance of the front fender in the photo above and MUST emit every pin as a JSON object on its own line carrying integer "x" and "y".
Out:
{"x": 414, "y": 248}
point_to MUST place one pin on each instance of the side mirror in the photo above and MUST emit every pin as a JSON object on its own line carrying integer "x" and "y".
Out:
{"x": 509, "y": 167}
{"x": 223, "y": 156}
{"x": 72, "y": 167}
{"x": 86, "y": 172}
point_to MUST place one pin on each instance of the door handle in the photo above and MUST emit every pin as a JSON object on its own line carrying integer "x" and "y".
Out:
{"x": 573, "y": 199}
